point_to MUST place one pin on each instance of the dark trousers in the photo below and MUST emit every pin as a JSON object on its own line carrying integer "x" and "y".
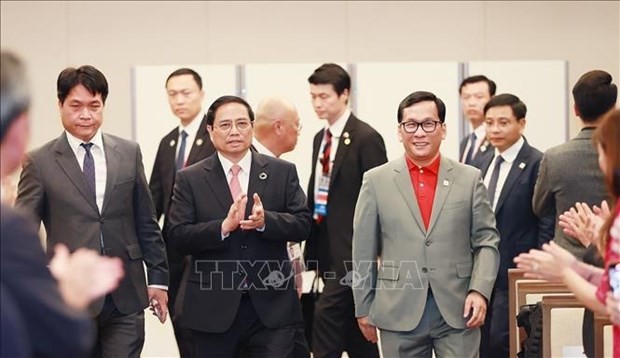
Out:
{"x": 118, "y": 335}
{"x": 183, "y": 336}
{"x": 300, "y": 345}
{"x": 335, "y": 328}
{"x": 495, "y": 339}
{"x": 247, "y": 337}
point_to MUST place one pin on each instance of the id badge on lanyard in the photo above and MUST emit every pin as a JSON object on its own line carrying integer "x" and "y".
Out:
{"x": 320, "y": 198}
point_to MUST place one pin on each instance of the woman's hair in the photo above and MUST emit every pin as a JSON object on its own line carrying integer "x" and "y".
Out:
{"x": 607, "y": 135}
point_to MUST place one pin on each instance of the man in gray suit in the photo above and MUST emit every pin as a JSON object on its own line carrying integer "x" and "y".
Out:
{"x": 570, "y": 173}
{"x": 90, "y": 191}
{"x": 425, "y": 246}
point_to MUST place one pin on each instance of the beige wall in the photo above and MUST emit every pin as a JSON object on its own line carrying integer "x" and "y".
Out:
{"x": 115, "y": 35}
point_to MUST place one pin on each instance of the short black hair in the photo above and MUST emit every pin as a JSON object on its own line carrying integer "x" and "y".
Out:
{"x": 87, "y": 76}
{"x": 422, "y": 96}
{"x": 225, "y": 100}
{"x": 594, "y": 95}
{"x": 519, "y": 109}
{"x": 332, "y": 74}
{"x": 479, "y": 78}
{"x": 186, "y": 71}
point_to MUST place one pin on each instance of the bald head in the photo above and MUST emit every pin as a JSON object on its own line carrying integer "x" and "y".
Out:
{"x": 277, "y": 124}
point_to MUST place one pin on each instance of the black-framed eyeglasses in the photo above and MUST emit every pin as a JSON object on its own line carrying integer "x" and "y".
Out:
{"x": 427, "y": 126}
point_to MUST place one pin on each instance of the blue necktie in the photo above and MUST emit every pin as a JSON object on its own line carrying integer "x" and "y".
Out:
{"x": 472, "y": 146}
{"x": 181, "y": 156}
{"x": 494, "y": 178}
{"x": 88, "y": 168}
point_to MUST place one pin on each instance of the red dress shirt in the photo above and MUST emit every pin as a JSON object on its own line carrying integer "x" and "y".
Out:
{"x": 424, "y": 181}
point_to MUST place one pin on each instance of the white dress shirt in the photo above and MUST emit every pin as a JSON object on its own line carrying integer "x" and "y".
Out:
{"x": 509, "y": 156}
{"x": 481, "y": 133}
{"x": 336, "y": 131}
{"x": 192, "y": 131}
{"x": 101, "y": 172}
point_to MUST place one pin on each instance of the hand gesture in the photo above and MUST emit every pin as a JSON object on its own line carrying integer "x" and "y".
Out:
{"x": 368, "y": 330}
{"x": 477, "y": 305}
{"x": 84, "y": 275}
{"x": 235, "y": 214}
{"x": 158, "y": 300}
{"x": 256, "y": 220}
{"x": 546, "y": 264}
{"x": 583, "y": 223}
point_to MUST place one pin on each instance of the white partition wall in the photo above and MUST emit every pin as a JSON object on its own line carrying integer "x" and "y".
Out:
{"x": 542, "y": 86}
{"x": 291, "y": 81}
{"x": 152, "y": 117}
{"x": 380, "y": 87}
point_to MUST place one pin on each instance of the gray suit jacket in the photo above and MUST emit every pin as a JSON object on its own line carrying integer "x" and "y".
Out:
{"x": 457, "y": 254}
{"x": 569, "y": 173}
{"x": 53, "y": 189}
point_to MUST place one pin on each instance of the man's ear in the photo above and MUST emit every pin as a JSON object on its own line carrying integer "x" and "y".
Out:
{"x": 276, "y": 124}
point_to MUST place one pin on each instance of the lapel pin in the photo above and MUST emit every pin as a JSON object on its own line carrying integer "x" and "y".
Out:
{"x": 522, "y": 165}
{"x": 199, "y": 142}
{"x": 446, "y": 182}
{"x": 262, "y": 176}
{"x": 172, "y": 143}
{"x": 345, "y": 134}
{"x": 483, "y": 148}
{"x": 347, "y": 141}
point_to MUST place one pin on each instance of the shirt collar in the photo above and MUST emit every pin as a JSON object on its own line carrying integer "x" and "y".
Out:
{"x": 74, "y": 142}
{"x": 481, "y": 132}
{"x": 261, "y": 148}
{"x": 433, "y": 167}
{"x": 510, "y": 154}
{"x": 192, "y": 128}
{"x": 245, "y": 163}
{"x": 338, "y": 126}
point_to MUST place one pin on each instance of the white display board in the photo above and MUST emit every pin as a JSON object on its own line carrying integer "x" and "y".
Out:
{"x": 291, "y": 81}
{"x": 380, "y": 88}
{"x": 152, "y": 117}
{"x": 542, "y": 86}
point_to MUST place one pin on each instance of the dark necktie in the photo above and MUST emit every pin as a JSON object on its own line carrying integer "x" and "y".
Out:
{"x": 472, "y": 146}
{"x": 494, "y": 178}
{"x": 88, "y": 168}
{"x": 327, "y": 148}
{"x": 180, "y": 163}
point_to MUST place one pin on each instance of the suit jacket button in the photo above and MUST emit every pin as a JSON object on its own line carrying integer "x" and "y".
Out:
{"x": 424, "y": 269}
{"x": 428, "y": 242}
{"x": 101, "y": 220}
{"x": 243, "y": 247}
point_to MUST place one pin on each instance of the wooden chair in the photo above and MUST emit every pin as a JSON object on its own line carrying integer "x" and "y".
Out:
{"x": 600, "y": 321}
{"x": 555, "y": 302}
{"x": 518, "y": 290}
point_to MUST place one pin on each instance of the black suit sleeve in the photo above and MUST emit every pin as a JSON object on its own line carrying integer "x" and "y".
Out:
{"x": 147, "y": 229}
{"x": 294, "y": 224}
{"x": 55, "y": 330}
{"x": 185, "y": 234}
{"x": 373, "y": 153}
{"x": 546, "y": 222}
{"x": 156, "y": 185}
{"x": 30, "y": 191}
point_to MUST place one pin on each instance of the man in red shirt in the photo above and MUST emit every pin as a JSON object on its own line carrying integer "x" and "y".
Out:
{"x": 425, "y": 246}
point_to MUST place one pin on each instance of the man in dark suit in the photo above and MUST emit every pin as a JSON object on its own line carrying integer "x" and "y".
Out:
{"x": 234, "y": 213}
{"x": 186, "y": 144}
{"x": 475, "y": 92}
{"x": 341, "y": 153}
{"x": 510, "y": 173}
{"x": 42, "y": 315}
{"x": 90, "y": 191}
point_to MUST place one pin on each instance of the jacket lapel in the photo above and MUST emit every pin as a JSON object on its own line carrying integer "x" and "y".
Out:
{"x": 113, "y": 160}
{"x": 259, "y": 176}
{"x": 516, "y": 170}
{"x": 445, "y": 180}
{"x": 343, "y": 148}
{"x": 69, "y": 165}
{"x": 403, "y": 182}
{"x": 216, "y": 181}
{"x": 201, "y": 144}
